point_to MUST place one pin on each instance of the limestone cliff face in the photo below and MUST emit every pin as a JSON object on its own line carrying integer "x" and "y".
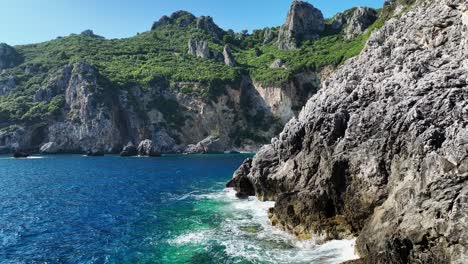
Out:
{"x": 285, "y": 101}
{"x": 95, "y": 117}
{"x": 381, "y": 152}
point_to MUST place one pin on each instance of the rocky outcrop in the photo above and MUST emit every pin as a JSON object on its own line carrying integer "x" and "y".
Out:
{"x": 199, "y": 48}
{"x": 304, "y": 22}
{"x": 209, "y": 145}
{"x": 90, "y": 33}
{"x": 129, "y": 150}
{"x": 278, "y": 64}
{"x": 7, "y": 85}
{"x": 268, "y": 36}
{"x": 381, "y": 151}
{"x": 147, "y": 148}
{"x": 355, "y": 21}
{"x": 185, "y": 19}
{"x": 228, "y": 57}
{"x": 240, "y": 182}
{"x": 9, "y": 57}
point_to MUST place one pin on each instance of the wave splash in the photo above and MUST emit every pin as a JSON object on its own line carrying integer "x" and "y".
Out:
{"x": 246, "y": 234}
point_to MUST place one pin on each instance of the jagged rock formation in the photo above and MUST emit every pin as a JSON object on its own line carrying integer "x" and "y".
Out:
{"x": 355, "y": 21}
{"x": 381, "y": 151}
{"x": 209, "y": 145}
{"x": 268, "y": 36}
{"x": 199, "y": 48}
{"x": 90, "y": 33}
{"x": 129, "y": 150}
{"x": 228, "y": 57}
{"x": 185, "y": 19}
{"x": 147, "y": 148}
{"x": 304, "y": 22}
{"x": 49, "y": 148}
{"x": 8, "y": 57}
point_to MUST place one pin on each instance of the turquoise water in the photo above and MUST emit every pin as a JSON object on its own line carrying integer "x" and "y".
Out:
{"x": 174, "y": 209}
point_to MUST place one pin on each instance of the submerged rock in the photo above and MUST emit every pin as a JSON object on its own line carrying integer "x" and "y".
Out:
{"x": 304, "y": 22}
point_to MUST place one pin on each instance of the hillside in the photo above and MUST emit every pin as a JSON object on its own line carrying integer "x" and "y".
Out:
{"x": 183, "y": 81}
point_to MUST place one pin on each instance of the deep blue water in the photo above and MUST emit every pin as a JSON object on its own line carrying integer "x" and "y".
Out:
{"x": 74, "y": 209}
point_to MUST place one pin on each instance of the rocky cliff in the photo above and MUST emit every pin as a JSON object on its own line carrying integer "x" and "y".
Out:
{"x": 381, "y": 152}
{"x": 185, "y": 86}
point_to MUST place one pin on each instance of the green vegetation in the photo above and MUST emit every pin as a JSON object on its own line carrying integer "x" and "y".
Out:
{"x": 160, "y": 57}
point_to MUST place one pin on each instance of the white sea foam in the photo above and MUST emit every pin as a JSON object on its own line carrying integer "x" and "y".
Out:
{"x": 246, "y": 233}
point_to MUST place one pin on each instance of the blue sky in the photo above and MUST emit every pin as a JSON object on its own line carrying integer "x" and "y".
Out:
{"x": 32, "y": 21}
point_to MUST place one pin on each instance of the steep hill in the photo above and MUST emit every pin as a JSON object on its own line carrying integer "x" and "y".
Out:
{"x": 183, "y": 81}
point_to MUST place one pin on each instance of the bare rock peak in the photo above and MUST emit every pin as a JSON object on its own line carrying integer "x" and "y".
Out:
{"x": 304, "y": 22}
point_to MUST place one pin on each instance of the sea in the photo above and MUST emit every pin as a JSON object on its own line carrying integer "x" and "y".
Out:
{"x": 171, "y": 209}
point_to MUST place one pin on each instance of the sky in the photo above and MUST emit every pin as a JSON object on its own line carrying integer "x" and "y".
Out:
{"x": 33, "y": 21}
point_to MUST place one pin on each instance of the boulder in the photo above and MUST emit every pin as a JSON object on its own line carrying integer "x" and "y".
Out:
{"x": 304, "y": 22}
{"x": 129, "y": 150}
{"x": 147, "y": 148}
{"x": 49, "y": 148}
{"x": 209, "y": 145}
{"x": 9, "y": 57}
{"x": 355, "y": 21}
{"x": 20, "y": 154}
{"x": 240, "y": 181}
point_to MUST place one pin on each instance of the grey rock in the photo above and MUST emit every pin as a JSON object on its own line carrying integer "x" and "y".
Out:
{"x": 240, "y": 182}
{"x": 304, "y": 22}
{"x": 147, "y": 148}
{"x": 49, "y": 148}
{"x": 7, "y": 85}
{"x": 268, "y": 36}
{"x": 277, "y": 64}
{"x": 9, "y": 57}
{"x": 185, "y": 19}
{"x": 199, "y": 48}
{"x": 381, "y": 151}
{"x": 90, "y": 33}
{"x": 129, "y": 150}
{"x": 228, "y": 57}
{"x": 180, "y": 18}
{"x": 209, "y": 145}
{"x": 355, "y": 21}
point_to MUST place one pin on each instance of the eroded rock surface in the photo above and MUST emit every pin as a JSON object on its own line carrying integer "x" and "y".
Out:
{"x": 381, "y": 152}
{"x": 355, "y": 21}
{"x": 304, "y": 22}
